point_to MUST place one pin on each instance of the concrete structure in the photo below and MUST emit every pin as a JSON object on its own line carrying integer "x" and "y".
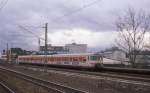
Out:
{"x": 143, "y": 59}
{"x": 12, "y": 53}
{"x": 146, "y": 47}
{"x": 76, "y": 48}
{"x": 116, "y": 54}
{"x": 53, "y": 49}
{"x": 67, "y": 49}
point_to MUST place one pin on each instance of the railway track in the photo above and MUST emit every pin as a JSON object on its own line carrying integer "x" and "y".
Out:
{"x": 111, "y": 81}
{"x": 53, "y": 87}
{"x": 126, "y": 76}
{"x": 5, "y": 89}
{"x": 116, "y": 75}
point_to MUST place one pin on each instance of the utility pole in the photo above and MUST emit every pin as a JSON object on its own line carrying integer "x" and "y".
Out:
{"x": 7, "y": 53}
{"x": 46, "y": 28}
{"x": 39, "y": 42}
{"x": 10, "y": 53}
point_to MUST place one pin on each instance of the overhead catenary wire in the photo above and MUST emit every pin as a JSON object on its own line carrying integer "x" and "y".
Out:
{"x": 70, "y": 13}
{"x": 25, "y": 29}
{"x": 65, "y": 15}
{"x": 73, "y": 12}
{"x": 78, "y": 10}
{"x": 39, "y": 38}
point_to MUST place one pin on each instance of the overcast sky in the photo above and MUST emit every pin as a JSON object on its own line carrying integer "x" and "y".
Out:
{"x": 81, "y": 21}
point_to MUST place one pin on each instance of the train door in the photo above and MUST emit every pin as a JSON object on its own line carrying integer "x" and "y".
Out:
{"x": 96, "y": 59}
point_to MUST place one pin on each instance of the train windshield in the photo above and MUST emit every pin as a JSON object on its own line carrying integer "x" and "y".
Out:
{"x": 94, "y": 58}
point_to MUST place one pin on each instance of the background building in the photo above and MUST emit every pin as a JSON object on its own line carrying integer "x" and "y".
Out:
{"x": 143, "y": 59}
{"x": 115, "y": 53}
{"x": 12, "y": 53}
{"x": 53, "y": 49}
{"x": 76, "y": 48}
{"x": 68, "y": 48}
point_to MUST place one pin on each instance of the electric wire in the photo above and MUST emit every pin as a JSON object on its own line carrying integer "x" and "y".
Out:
{"x": 25, "y": 29}
{"x": 78, "y": 10}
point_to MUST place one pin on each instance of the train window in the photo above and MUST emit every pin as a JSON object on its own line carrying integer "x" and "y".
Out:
{"x": 38, "y": 59}
{"x": 65, "y": 58}
{"x": 84, "y": 60}
{"x": 52, "y": 59}
{"x": 55, "y": 58}
{"x": 68, "y": 58}
{"x": 93, "y": 58}
{"x": 62, "y": 58}
{"x": 80, "y": 59}
{"x": 48, "y": 59}
{"x": 75, "y": 59}
{"x": 42, "y": 59}
{"x": 27, "y": 59}
{"x": 58, "y": 58}
{"x": 71, "y": 59}
{"x": 30, "y": 59}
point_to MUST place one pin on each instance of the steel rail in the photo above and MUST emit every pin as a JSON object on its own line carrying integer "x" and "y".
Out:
{"x": 135, "y": 77}
{"x": 58, "y": 87}
{"x": 113, "y": 75}
{"x": 9, "y": 90}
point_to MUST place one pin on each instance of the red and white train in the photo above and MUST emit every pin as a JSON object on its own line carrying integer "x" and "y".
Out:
{"x": 82, "y": 60}
{"x": 78, "y": 61}
{"x": 85, "y": 60}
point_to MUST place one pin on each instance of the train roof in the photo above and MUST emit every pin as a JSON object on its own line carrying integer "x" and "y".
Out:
{"x": 79, "y": 54}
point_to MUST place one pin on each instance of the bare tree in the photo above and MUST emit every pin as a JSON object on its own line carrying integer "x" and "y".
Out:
{"x": 132, "y": 27}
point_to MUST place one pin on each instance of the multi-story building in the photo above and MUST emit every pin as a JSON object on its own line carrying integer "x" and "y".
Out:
{"x": 143, "y": 59}
{"x": 116, "y": 54}
{"x": 12, "y": 54}
{"x": 68, "y": 48}
{"x": 53, "y": 49}
{"x": 76, "y": 48}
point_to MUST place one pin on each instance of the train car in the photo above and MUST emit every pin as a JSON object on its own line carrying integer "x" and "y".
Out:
{"x": 82, "y": 60}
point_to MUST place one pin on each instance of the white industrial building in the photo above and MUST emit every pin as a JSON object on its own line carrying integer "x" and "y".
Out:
{"x": 53, "y": 49}
{"x": 76, "y": 48}
{"x": 67, "y": 49}
{"x": 116, "y": 55}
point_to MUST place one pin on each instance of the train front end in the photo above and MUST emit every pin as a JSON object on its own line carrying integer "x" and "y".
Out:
{"x": 95, "y": 60}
